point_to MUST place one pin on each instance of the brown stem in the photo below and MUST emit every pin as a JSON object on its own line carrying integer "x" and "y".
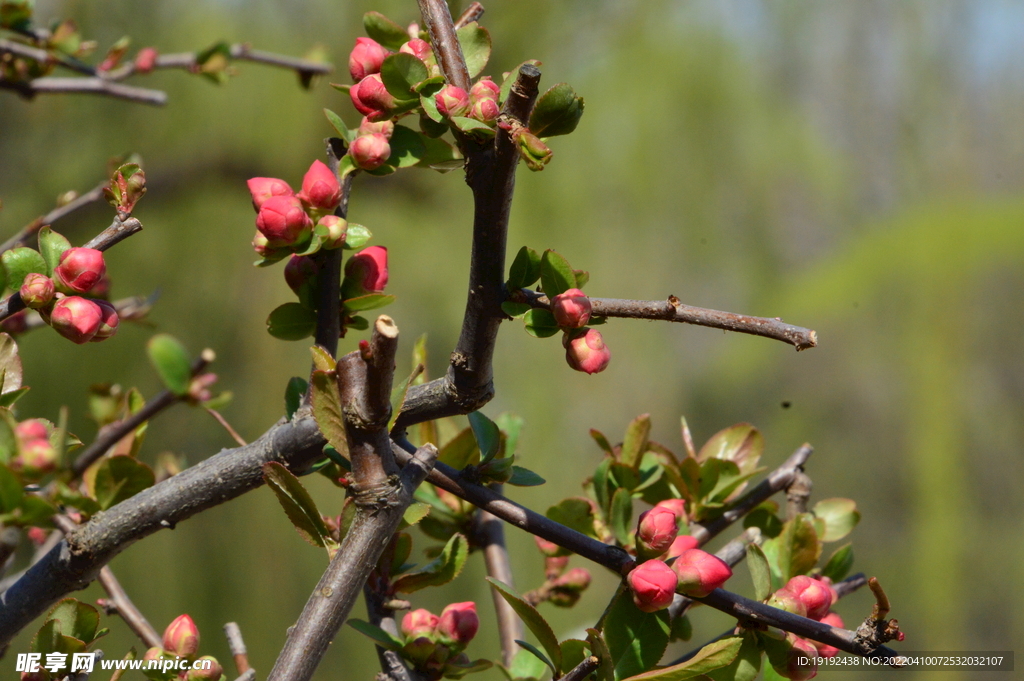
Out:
{"x": 472, "y": 13}
{"x": 236, "y": 644}
{"x": 219, "y": 418}
{"x": 328, "y": 316}
{"x": 92, "y": 86}
{"x": 28, "y": 233}
{"x": 446, "y": 45}
{"x": 380, "y": 615}
{"x": 797, "y": 494}
{"x": 121, "y": 605}
{"x": 489, "y": 535}
{"x": 239, "y": 51}
{"x": 582, "y": 670}
{"x": 881, "y": 608}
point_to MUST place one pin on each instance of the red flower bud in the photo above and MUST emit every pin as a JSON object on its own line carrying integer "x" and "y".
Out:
{"x": 571, "y": 309}
{"x": 145, "y": 60}
{"x": 485, "y": 110}
{"x": 282, "y": 220}
{"x": 700, "y": 573}
{"x": 784, "y": 599}
{"x": 299, "y": 270}
{"x": 418, "y": 623}
{"x": 485, "y": 88}
{"x": 262, "y": 188}
{"x": 458, "y": 624}
{"x": 36, "y": 457}
{"x": 549, "y": 548}
{"x": 37, "y": 535}
{"x": 555, "y": 565}
{"x": 825, "y": 650}
{"x": 683, "y": 542}
{"x": 108, "y": 321}
{"x": 815, "y": 595}
{"x": 368, "y": 127}
{"x": 452, "y": 101}
{"x": 199, "y": 387}
{"x": 576, "y": 579}
{"x": 653, "y": 584}
{"x": 212, "y": 674}
{"x": 370, "y": 151}
{"x": 677, "y": 506}
{"x": 831, "y": 589}
{"x": 181, "y": 637}
{"x": 419, "y": 49}
{"x": 320, "y": 188}
{"x": 655, "y": 532}
{"x": 31, "y": 429}
{"x": 366, "y": 272}
{"x": 77, "y": 319}
{"x": 80, "y": 269}
{"x": 800, "y": 664}
{"x": 336, "y": 230}
{"x": 587, "y": 352}
{"x": 366, "y": 58}
{"x": 372, "y": 99}
{"x": 37, "y": 290}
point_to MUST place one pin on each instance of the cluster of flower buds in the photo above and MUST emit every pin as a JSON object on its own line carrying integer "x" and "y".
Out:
{"x": 797, "y": 660}
{"x": 561, "y": 587}
{"x": 433, "y": 643}
{"x": 369, "y": 96}
{"x": 812, "y": 598}
{"x": 36, "y": 455}
{"x": 480, "y": 103}
{"x": 371, "y": 147}
{"x": 181, "y": 642}
{"x": 286, "y": 220}
{"x": 584, "y": 347}
{"x": 804, "y": 596}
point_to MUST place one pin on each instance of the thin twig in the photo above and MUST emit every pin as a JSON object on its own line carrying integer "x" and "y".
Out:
{"x": 219, "y": 418}
{"x": 797, "y": 494}
{"x": 93, "y": 86}
{"x": 236, "y": 644}
{"x": 438, "y": 21}
{"x": 239, "y": 51}
{"x": 472, "y": 13}
{"x": 28, "y": 233}
{"x": 489, "y": 535}
{"x": 45, "y": 57}
{"x": 328, "y": 319}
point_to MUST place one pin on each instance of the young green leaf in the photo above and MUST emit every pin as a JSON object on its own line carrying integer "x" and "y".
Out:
{"x": 487, "y": 434}
{"x": 293, "y": 395}
{"x": 525, "y": 269}
{"x": 298, "y": 505}
{"x": 371, "y": 301}
{"x": 839, "y": 563}
{"x": 10, "y": 490}
{"x": 291, "y": 321}
{"x": 439, "y": 571}
{"x": 798, "y": 546}
{"x": 515, "y": 310}
{"x": 19, "y": 262}
{"x": 384, "y": 31}
{"x": 460, "y": 451}
{"x": 636, "y": 639}
{"x": 622, "y": 515}
{"x": 521, "y": 477}
{"x": 339, "y": 125}
{"x": 10, "y": 365}
{"x": 598, "y": 646}
{"x": 760, "y": 572}
{"x": 76, "y": 619}
{"x": 533, "y": 650}
{"x": 533, "y": 620}
{"x": 326, "y": 402}
{"x": 378, "y": 635}
{"x": 635, "y": 443}
{"x": 540, "y": 323}
{"x": 322, "y": 360}
{"x": 715, "y": 655}
{"x": 407, "y": 146}
{"x": 51, "y": 246}
{"x": 119, "y": 478}
{"x": 526, "y": 665}
{"x": 476, "y": 47}
{"x": 576, "y": 513}
{"x": 557, "y": 112}
{"x": 742, "y": 444}
{"x": 574, "y": 651}
{"x": 839, "y": 515}
{"x": 556, "y": 274}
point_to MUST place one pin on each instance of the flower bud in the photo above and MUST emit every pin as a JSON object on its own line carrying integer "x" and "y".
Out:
{"x": 418, "y": 623}
{"x": 365, "y": 58}
{"x": 587, "y": 352}
{"x": 333, "y": 229}
{"x": 485, "y": 110}
{"x": 532, "y": 150}
{"x": 452, "y": 101}
{"x": 784, "y": 599}
{"x": 262, "y": 188}
{"x": 576, "y": 579}
{"x": 35, "y": 458}
{"x": 145, "y": 60}
{"x": 372, "y": 99}
{"x": 77, "y": 319}
{"x": 420, "y": 650}
{"x": 108, "y": 321}
{"x": 571, "y": 309}
{"x": 799, "y": 663}
{"x": 264, "y": 250}
{"x": 369, "y": 152}
{"x": 368, "y": 127}
{"x": 677, "y": 506}
{"x": 37, "y": 535}
{"x": 815, "y": 595}
{"x": 199, "y": 387}
{"x": 31, "y": 429}
{"x": 825, "y": 650}
{"x": 320, "y": 188}
{"x": 683, "y": 542}
{"x": 555, "y": 565}
{"x": 458, "y": 624}
{"x": 655, "y": 532}
{"x": 37, "y": 290}
{"x": 700, "y": 573}
{"x": 419, "y": 49}
{"x": 39, "y": 675}
{"x": 212, "y": 674}
{"x": 282, "y": 220}
{"x": 485, "y": 88}
{"x": 181, "y": 637}
{"x": 653, "y": 584}
{"x": 153, "y": 653}
{"x": 831, "y": 589}
{"x": 366, "y": 272}
{"x": 299, "y": 270}
{"x": 549, "y": 548}
{"x": 80, "y": 269}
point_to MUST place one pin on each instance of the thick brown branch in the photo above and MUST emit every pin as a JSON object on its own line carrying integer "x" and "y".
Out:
{"x": 328, "y": 316}
{"x": 438, "y": 21}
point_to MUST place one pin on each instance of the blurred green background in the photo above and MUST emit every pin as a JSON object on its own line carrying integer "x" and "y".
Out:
{"x": 853, "y": 166}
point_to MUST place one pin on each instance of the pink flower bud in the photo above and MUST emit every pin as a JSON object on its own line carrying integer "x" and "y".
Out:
{"x": 784, "y": 599}
{"x": 571, "y": 309}
{"x": 336, "y": 230}
{"x": 576, "y": 579}
{"x": 587, "y": 352}
{"x": 153, "y": 653}
{"x": 655, "y": 532}
{"x": 368, "y": 127}
{"x": 181, "y": 637}
{"x": 199, "y": 387}
{"x": 262, "y": 188}
{"x": 683, "y": 542}
{"x": 485, "y": 88}
{"x": 420, "y": 650}
{"x": 825, "y": 650}
{"x": 555, "y": 565}
{"x": 799, "y": 660}
{"x": 37, "y": 290}
{"x": 108, "y": 322}
{"x": 31, "y": 429}
{"x": 653, "y": 584}
{"x": 77, "y": 319}
{"x": 369, "y": 152}
{"x": 677, "y": 506}
{"x": 37, "y": 535}
{"x": 263, "y": 248}
{"x": 320, "y": 187}
{"x": 80, "y": 269}
{"x": 282, "y": 220}
{"x": 418, "y": 623}
{"x": 549, "y": 548}
{"x": 145, "y": 60}
{"x": 419, "y": 49}
{"x": 299, "y": 270}
{"x": 366, "y": 272}
{"x": 458, "y": 624}
{"x": 212, "y": 674}
{"x": 35, "y": 457}
{"x": 452, "y": 101}
{"x": 831, "y": 589}
{"x": 372, "y": 99}
{"x": 366, "y": 58}
{"x": 700, "y": 573}
{"x": 813, "y": 594}
{"x": 485, "y": 110}
{"x": 39, "y": 675}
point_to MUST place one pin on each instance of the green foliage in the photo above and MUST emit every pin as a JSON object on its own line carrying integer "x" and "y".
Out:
{"x": 636, "y": 639}
{"x": 298, "y": 506}
{"x": 171, "y": 361}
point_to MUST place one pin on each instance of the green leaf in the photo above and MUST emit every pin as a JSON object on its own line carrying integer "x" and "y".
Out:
{"x": 326, "y": 402}
{"x": 532, "y": 619}
{"x": 598, "y": 646}
{"x": 525, "y": 269}
{"x": 436, "y": 152}
{"x": 526, "y": 665}
{"x": 540, "y": 323}
{"x": 75, "y": 619}
{"x": 399, "y": 392}
{"x": 746, "y": 664}
{"x": 476, "y": 47}
{"x": 622, "y": 515}
{"x": 760, "y": 572}
{"x": 682, "y": 629}
{"x": 515, "y": 309}
{"x": 33, "y": 511}
{"x": 533, "y": 650}
{"x": 601, "y": 482}
{"x": 460, "y": 451}
{"x": 51, "y": 246}
{"x": 171, "y": 361}
{"x": 763, "y": 517}
{"x": 8, "y": 399}
{"x": 384, "y": 31}
{"x": 10, "y": 490}
{"x": 19, "y": 262}
{"x": 602, "y": 441}
{"x": 379, "y": 636}
{"x": 407, "y": 146}
{"x": 839, "y": 563}
{"x": 339, "y": 125}
{"x": 371, "y": 301}
{"x": 472, "y": 126}
{"x": 456, "y": 668}
{"x": 356, "y": 236}
{"x": 298, "y": 505}
{"x": 556, "y": 275}
{"x": 715, "y": 655}
{"x": 636, "y": 639}
{"x": 414, "y": 513}
{"x": 293, "y": 395}
{"x": 291, "y": 321}
{"x": 49, "y": 640}
{"x": 400, "y": 73}
{"x": 119, "y": 478}
{"x": 574, "y": 651}
{"x": 10, "y": 367}
{"x": 322, "y": 360}
{"x": 439, "y": 571}
{"x": 487, "y": 434}
{"x": 557, "y": 112}
{"x": 576, "y": 513}
{"x": 742, "y": 444}
{"x": 798, "y": 547}
{"x": 840, "y": 516}
{"x": 522, "y": 477}
{"x": 635, "y": 443}
{"x": 582, "y": 277}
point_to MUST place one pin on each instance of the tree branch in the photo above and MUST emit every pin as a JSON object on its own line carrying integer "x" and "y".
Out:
{"x": 328, "y": 316}
{"x": 236, "y": 644}
{"x": 28, "y": 233}
{"x": 445, "y": 43}
{"x": 489, "y": 535}
{"x": 582, "y": 670}
{"x": 473, "y": 12}
{"x": 237, "y": 51}
{"x": 93, "y": 86}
